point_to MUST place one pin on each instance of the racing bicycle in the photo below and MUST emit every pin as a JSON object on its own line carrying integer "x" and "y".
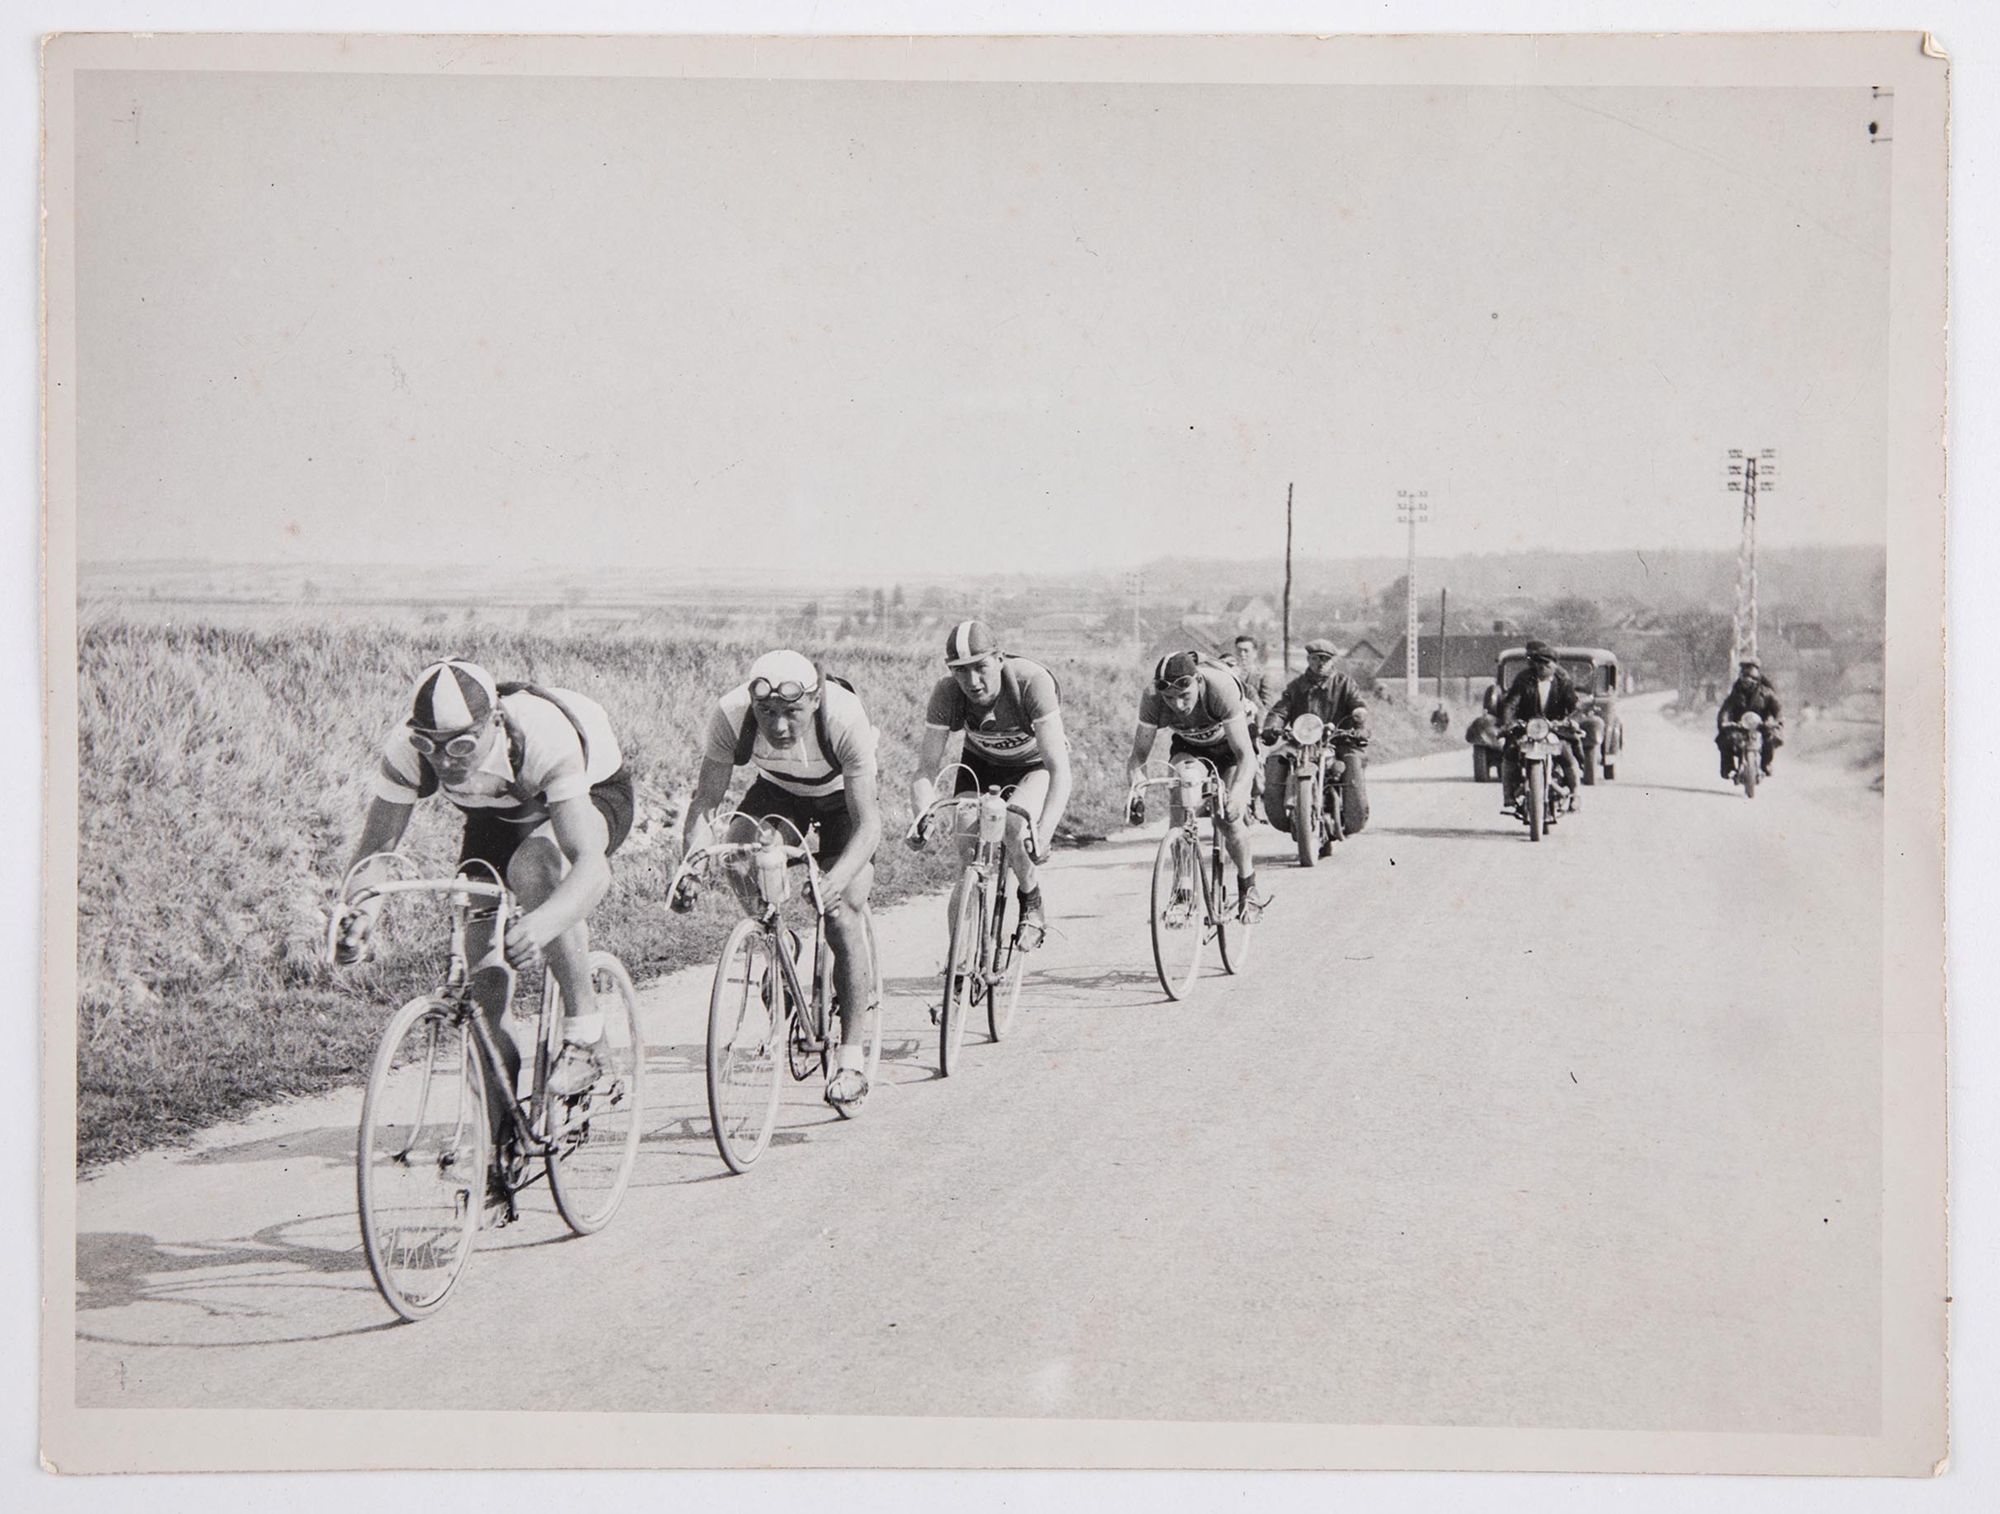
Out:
{"x": 1195, "y": 895}
{"x": 422, "y": 1158}
{"x": 762, "y": 1018}
{"x": 984, "y": 959}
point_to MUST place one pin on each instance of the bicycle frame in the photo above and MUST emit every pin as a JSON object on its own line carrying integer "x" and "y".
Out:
{"x": 1206, "y": 795}
{"x": 530, "y": 1119}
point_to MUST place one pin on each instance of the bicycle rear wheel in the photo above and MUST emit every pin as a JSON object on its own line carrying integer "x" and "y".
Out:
{"x": 595, "y": 1136}
{"x": 1178, "y": 922}
{"x": 962, "y": 969}
{"x": 1010, "y": 966}
{"x": 420, "y": 1159}
{"x": 749, "y": 1016}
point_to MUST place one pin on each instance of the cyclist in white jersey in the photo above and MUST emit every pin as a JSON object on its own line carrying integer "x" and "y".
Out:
{"x": 813, "y": 749}
{"x": 541, "y": 781}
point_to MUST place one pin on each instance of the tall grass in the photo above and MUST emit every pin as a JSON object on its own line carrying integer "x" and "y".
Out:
{"x": 223, "y": 774}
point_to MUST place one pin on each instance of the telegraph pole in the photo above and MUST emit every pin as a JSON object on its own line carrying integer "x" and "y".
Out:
{"x": 1413, "y": 507}
{"x": 1285, "y": 649}
{"x": 1750, "y": 473}
{"x": 1444, "y": 599}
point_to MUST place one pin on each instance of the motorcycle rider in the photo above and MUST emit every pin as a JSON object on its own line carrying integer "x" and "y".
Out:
{"x": 1330, "y": 694}
{"x": 1752, "y": 691}
{"x": 1541, "y": 689}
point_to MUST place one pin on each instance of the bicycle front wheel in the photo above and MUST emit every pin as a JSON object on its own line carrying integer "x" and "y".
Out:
{"x": 1010, "y": 966}
{"x": 1179, "y": 912}
{"x": 594, "y": 1137}
{"x": 964, "y": 964}
{"x": 749, "y": 1015}
{"x": 420, "y": 1160}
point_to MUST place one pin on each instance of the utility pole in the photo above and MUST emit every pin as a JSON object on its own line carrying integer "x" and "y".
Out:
{"x": 1285, "y": 632}
{"x": 1413, "y": 507}
{"x": 1750, "y": 474}
{"x": 1444, "y": 598}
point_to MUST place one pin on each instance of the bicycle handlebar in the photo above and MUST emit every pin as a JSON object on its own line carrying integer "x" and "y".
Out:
{"x": 919, "y": 828}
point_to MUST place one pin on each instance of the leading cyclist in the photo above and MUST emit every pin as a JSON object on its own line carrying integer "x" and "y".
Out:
{"x": 542, "y": 784}
{"x": 1206, "y": 708}
{"x": 1010, "y": 711}
{"x": 813, "y": 749}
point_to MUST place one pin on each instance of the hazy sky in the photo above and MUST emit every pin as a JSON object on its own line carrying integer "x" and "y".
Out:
{"x": 904, "y": 327}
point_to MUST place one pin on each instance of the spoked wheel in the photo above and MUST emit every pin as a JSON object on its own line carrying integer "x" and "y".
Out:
{"x": 1538, "y": 800}
{"x": 420, "y": 1161}
{"x": 1009, "y": 967}
{"x": 1306, "y": 824}
{"x": 1180, "y": 916}
{"x": 963, "y": 983}
{"x": 595, "y": 1136}
{"x": 748, "y": 1020}
{"x": 1232, "y": 932}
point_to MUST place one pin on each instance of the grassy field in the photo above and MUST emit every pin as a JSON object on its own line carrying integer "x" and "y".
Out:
{"x": 223, "y": 774}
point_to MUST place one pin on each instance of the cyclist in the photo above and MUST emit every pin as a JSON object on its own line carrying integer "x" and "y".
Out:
{"x": 1010, "y": 711}
{"x": 546, "y": 797}
{"x": 813, "y": 748}
{"x": 1209, "y": 714}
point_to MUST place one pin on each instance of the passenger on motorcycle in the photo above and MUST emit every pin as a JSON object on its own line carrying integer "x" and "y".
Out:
{"x": 1323, "y": 690}
{"x": 1541, "y": 689}
{"x": 1208, "y": 712}
{"x": 1751, "y": 691}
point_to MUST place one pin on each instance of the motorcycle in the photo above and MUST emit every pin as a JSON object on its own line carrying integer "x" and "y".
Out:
{"x": 1744, "y": 740}
{"x": 1542, "y": 793}
{"x": 1308, "y": 803}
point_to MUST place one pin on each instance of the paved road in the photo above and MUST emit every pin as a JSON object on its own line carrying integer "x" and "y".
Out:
{"x": 1577, "y": 1135}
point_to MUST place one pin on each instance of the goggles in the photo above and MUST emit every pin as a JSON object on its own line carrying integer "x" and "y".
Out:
{"x": 464, "y": 744}
{"x": 791, "y": 691}
{"x": 1185, "y": 685}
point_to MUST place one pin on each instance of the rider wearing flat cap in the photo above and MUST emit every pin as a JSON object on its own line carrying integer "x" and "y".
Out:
{"x": 1752, "y": 692}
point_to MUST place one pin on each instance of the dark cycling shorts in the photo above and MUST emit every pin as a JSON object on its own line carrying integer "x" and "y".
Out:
{"x": 766, "y": 801}
{"x": 1223, "y": 758}
{"x": 976, "y": 774}
{"x": 490, "y": 839}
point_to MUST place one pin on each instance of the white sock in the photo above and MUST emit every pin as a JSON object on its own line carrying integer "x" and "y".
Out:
{"x": 584, "y": 1030}
{"x": 846, "y": 1056}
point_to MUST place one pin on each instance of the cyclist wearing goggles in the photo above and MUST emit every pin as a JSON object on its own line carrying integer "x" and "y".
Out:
{"x": 813, "y": 749}
{"x": 1205, "y": 708}
{"x": 1010, "y": 711}
{"x": 541, "y": 781}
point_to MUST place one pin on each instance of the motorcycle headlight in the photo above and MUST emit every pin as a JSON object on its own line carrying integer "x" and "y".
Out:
{"x": 1751, "y": 720}
{"x": 1538, "y": 729}
{"x": 1307, "y": 729}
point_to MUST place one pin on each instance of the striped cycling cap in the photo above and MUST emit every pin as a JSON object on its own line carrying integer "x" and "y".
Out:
{"x": 451, "y": 696}
{"x": 969, "y": 641}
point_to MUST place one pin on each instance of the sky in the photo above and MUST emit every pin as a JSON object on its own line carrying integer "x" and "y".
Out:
{"x": 870, "y": 327}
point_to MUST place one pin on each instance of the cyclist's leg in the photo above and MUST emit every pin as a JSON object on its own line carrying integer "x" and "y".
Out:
{"x": 853, "y": 971}
{"x": 1031, "y": 789}
{"x": 537, "y": 868}
{"x": 493, "y": 842}
{"x": 1235, "y": 833}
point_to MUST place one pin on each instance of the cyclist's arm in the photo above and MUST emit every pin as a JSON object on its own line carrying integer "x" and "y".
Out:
{"x": 1055, "y": 752}
{"x": 1243, "y": 752}
{"x": 709, "y": 790}
{"x": 579, "y": 832}
{"x": 865, "y": 810}
{"x": 930, "y": 757}
{"x": 1143, "y": 737}
{"x": 382, "y": 828}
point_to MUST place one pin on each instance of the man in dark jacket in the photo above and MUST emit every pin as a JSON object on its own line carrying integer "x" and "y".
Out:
{"x": 1752, "y": 691}
{"x": 1330, "y": 694}
{"x": 1258, "y": 685}
{"x": 1541, "y": 689}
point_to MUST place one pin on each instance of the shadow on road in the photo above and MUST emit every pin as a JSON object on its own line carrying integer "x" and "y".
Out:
{"x": 1097, "y": 981}
{"x": 329, "y": 1145}
{"x": 1683, "y": 788}
{"x": 1450, "y": 832}
{"x": 1374, "y": 781}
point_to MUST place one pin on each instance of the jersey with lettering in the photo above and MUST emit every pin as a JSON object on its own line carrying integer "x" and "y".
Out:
{"x": 1206, "y": 723}
{"x": 1003, "y": 733}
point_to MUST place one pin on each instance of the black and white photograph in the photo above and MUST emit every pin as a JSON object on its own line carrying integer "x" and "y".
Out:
{"x": 1040, "y": 752}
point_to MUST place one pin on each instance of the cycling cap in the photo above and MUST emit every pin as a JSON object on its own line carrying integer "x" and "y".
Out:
{"x": 451, "y": 696}
{"x": 785, "y": 667}
{"x": 1540, "y": 651}
{"x": 1175, "y": 666}
{"x": 969, "y": 641}
{"x": 1321, "y": 645}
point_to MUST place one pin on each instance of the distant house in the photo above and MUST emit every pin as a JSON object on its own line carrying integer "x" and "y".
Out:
{"x": 1209, "y": 634}
{"x": 1251, "y": 612}
{"x": 1468, "y": 660}
{"x": 1363, "y": 652}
